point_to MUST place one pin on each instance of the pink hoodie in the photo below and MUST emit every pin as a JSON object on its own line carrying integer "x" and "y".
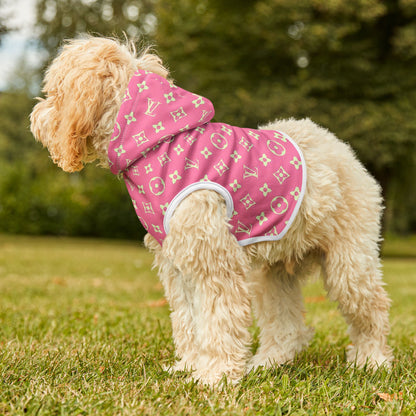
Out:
{"x": 165, "y": 147}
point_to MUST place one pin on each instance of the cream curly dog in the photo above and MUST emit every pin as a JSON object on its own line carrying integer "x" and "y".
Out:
{"x": 214, "y": 265}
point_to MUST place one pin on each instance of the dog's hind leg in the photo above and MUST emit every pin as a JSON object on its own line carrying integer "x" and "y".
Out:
{"x": 213, "y": 267}
{"x": 352, "y": 277}
{"x": 278, "y": 306}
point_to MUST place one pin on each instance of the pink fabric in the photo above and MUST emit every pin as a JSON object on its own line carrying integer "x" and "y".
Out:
{"x": 165, "y": 147}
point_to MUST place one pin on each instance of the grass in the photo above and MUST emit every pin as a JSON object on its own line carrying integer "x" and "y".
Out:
{"x": 84, "y": 330}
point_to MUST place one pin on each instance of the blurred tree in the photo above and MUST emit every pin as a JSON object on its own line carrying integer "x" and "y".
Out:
{"x": 36, "y": 197}
{"x": 350, "y": 66}
{"x": 61, "y": 19}
{"x": 4, "y": 27}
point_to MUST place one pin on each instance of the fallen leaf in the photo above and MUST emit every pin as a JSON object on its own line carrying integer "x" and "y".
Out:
{"x": 157, "y": 303}
{"x": 390, "y": 397}
{"x": 59, "y": 281}
{"x": 315, "y": 299}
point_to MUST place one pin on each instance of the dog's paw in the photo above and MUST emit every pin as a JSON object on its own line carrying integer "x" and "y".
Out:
{"x": 215, "y": 379}
{"x": 181, "y": 365}
{"x": 270, "y": 360}
{"x": 281, "y": 351}
{"x": 371, "y": 358}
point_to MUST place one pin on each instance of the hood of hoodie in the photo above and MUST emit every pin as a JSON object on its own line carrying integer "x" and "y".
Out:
{"x": 153, "y": 111}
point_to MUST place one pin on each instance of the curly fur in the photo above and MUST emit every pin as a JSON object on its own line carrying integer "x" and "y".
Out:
{"x": 210, "y": 281}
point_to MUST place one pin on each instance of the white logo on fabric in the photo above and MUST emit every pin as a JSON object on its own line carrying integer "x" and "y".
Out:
{"x": 279, "y": 205}
{"x": 191, "y": 164}
{"x": 249, "y": 172}
{"x": 219, "y": 141}
{"x": 140, "y": 138}
{"x": 276, "y": 148}
{"x": 151, "y": 107}
{"x": 242, "y": 228}
{"x": 157, "y": 186}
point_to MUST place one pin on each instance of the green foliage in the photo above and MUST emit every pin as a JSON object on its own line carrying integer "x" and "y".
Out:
{"x": 83, "y": 330}
{"x": 347, "y": 65}
{"x": 88, "y": 204}
{"x": 38, "y": 198}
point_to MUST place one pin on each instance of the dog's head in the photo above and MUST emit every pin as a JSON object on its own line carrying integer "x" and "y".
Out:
{"x": 83, "y": 88}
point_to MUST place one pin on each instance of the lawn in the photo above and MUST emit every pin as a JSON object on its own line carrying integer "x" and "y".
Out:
{"x": 84, "y": 329}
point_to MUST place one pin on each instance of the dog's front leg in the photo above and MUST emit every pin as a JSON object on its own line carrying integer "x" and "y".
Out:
{"x": 179, "y": 293}
{"x": 212, "y": 269}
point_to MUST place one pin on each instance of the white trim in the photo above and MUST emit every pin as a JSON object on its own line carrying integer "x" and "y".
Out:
{"x": 197, "y": 186}
{"x": 303, "y": 190}
{"x": 252, "y": 240}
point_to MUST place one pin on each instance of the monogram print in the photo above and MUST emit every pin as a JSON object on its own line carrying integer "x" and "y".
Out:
{"x": 165, "y": 146}
{"x": 151, "y": 107}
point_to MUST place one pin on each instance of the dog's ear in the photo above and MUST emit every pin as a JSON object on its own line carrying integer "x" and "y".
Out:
{"x": 149, "y": 61}
{"x": 82, "y": 87}
{"x": 66, "y": 118}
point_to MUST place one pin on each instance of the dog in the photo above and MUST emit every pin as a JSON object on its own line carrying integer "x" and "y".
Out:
{"x": 216, "y": 265}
